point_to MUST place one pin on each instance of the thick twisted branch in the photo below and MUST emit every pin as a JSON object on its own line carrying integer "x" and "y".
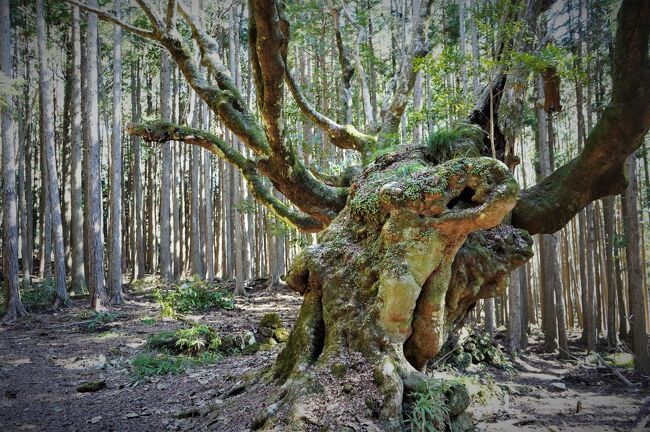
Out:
{"x": 165, "y": 131}
{"x": 598, "y": 170}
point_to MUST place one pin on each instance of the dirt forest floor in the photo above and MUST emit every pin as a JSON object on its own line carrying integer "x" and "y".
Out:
{"x": 47, "y": 356}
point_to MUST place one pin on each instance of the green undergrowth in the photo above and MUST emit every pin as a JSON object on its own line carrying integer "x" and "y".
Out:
{"x": 174, "y": 351}
{"x": 192, "y": 295}
{"x": 99, "y": 321}
{"x": 428, "y": 411}
{"x": 40, "y": 296}
{"x": 147, "y": 364}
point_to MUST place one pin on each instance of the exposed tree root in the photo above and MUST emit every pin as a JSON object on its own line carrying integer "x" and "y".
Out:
{"x": 14, "y": 309}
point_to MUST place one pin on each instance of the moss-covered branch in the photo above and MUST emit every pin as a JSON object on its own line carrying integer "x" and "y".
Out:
{"x": 342, "y": 136}
{"x": 164, "y": 131}
{"x": 598, "y": 170}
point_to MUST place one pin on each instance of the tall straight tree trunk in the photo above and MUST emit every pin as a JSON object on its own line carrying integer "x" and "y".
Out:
{"x": 208, "y": 240}
{"x": 93, "y": 186}
{"x": 137, "y": 231}
{"x": 166, "y": 173}
{"x": 462, "y": 38}
{"x": 46, "y": 215}
{"x": 548, "y": 243}
{"x": 13, "y": 306}
{"x": 115, "y": 229}
{"x": 608, "y": 216}
{"x": 636, "y": 295}
{"x": 24, "y": 195}
{"x": 50, "y": 159}
{"x": 76, "y": 198}
{"x": 515, "y": 329}
{"x": 620, "y": 297}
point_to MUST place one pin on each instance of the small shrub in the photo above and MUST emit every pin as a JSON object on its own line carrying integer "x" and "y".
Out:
{"x": 192, "y": 296}
{"x": 202, "y": 343}
{"x": 99, "y": 320}
{"x": 42, "y": 294}
{"x": 197, "y": 339}
{"x": 429, "y": 412}
{"x": 191, "y": 341}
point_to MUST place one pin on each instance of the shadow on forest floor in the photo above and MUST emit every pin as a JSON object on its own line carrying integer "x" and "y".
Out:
{"x": 46, "y": 357}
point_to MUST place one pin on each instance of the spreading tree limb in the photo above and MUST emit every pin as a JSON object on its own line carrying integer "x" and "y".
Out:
{"x": 599, "y": 170}
{"x": 161, "y": 132}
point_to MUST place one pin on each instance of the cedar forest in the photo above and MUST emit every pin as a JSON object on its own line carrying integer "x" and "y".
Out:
{"x": 341, "y": 215}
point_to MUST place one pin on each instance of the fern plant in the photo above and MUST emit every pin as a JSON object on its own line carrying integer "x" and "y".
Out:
{"x": 429, "y": 412}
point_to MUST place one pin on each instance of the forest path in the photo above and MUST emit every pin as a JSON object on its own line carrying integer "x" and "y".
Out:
{"x": 44, "y": 358}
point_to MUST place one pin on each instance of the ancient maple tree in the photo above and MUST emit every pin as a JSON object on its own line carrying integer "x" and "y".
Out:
{"x": 412, "y": 239}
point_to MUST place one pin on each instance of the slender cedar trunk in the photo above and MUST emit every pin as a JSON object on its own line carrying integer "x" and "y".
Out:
{"x": 636, "y": 297}
{"x": 515, "y": 329}
{"x": 166, "y": 172}
{"x": 598, "y": 269}
{"x": 590, "y": 292}
{"x": 218, "y": 232}
{"x": 93, "y": 186}
{"x": 65, "y": 154}
{"x": 548, "y": 242}
{"x": 194, "y": 118}
{"x": 175, "y": 208}
{"x": 24, "y": 194}
{"x": 237, "y": 231}
{"x": 12, "y": 303}
{"x": 151, "y": 211}
{"x": 463, "y": 53}
{"x": 195, "y": 212}
{"x": 558, "y": 289}
{"x": 50, "y": 159}
{"x": 76, "y": 198}
{"x": 29, "y": 156}
{"x": 608, "y": 215}
{"x": 177, "y": 263}
{"x": 46, "y": 215}
{"x": 137, "y": 230}
{"x": 620, "y": 292}
{"x": 208, "y": 239}
{"x": 115, "y": 229}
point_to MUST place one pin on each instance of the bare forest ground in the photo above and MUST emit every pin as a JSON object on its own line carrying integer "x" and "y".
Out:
{"x": 46, "y": 357}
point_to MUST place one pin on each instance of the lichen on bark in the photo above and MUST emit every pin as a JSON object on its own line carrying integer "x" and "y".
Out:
{"x": 395, "y": 272}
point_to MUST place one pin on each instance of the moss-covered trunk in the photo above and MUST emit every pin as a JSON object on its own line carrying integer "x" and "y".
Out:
{"x": 387, "y": 283}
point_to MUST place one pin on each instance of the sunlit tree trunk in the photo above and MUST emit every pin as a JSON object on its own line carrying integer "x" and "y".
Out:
{"x": 115, "y": 229}
{"x": 50, "y": 182}
{"x": 635, "y": 272}
{"x": 12, "y": 303}
{"x": 93, "y": 214}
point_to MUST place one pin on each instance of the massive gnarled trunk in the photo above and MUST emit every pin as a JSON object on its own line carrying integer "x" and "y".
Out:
{"x": 390, "y": 278}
